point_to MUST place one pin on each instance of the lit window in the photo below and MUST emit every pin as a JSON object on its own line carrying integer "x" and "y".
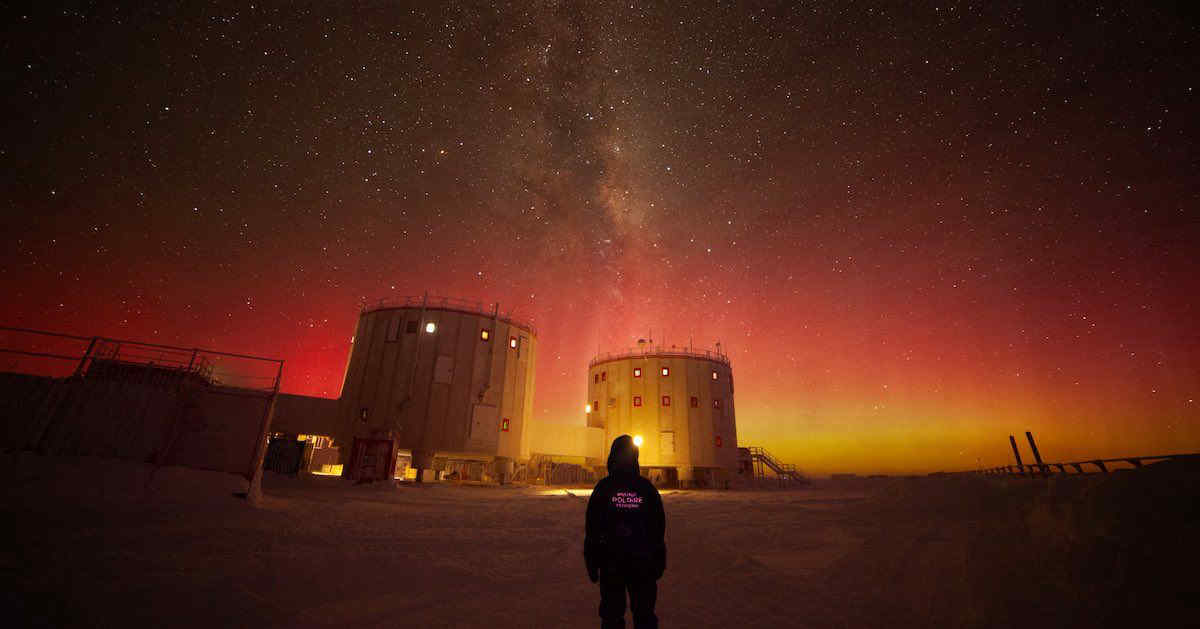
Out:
{"x": 718, "y": 441}
{"x": 485, "y": 335}
{"x": 637, "y": 372}
{"x": 596, "y": 379}
{"x": 716, "y": 403}
{"x": 637, "y": 400}
{"x": 666, "y": 400}
{"x": 695, "y": 402}
{"x": 666, "y": 371}
{"x": 430, "y": 327}
{"x": 603, "y": 376}
{"x": 504, "y": 425}
{"x": 512, "y": 342}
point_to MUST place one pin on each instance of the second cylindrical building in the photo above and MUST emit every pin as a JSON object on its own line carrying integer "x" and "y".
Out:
{"x": 678, "y": 406}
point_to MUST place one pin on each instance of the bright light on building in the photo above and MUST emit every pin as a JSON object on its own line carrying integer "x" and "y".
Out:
{"x": 587, "y": 408}
{"x": 637, "y": 440}
{"x": 430, "y": 327}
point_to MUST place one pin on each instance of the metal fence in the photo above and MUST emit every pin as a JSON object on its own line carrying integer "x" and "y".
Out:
{"x": 73, "y": 395}
{"x": 1101, "y": 466}
{"x": 57, "y": 355}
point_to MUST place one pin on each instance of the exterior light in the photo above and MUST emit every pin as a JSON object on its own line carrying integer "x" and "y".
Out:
{"x": 484, "y": 335}
{"x": 587, "y": 408}
{"x": 512, "y": 342}
{"x": 637, "y": 440}
{"x": 666, "y": 371}
{"x": 714, "y": 375}
{"x": 430, "y": 327}
{"x": 637, "y": 372}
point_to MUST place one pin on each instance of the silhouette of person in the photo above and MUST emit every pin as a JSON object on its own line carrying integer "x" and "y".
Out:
{"x": 624, "y": 547}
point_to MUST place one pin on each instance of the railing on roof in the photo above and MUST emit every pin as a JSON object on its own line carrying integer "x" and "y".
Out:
{"x": 456, "y": 304}
{"x": 657, "y": 351}
{"x": 56, "y": 355}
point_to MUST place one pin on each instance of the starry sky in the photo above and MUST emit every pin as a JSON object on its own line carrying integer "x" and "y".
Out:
{"x": 915, "y": 228}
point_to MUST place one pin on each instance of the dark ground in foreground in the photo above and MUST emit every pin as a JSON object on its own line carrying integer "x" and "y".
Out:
{"x": 99, "y": 543}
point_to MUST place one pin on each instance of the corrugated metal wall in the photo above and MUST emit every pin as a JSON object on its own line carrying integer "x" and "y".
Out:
{"x": 446, "y": 390}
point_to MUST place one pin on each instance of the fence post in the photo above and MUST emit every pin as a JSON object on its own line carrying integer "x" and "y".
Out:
{"x": 1036, "y": 455}
{"x": 86, "y": 356}
{"x": 1017, "y": 454}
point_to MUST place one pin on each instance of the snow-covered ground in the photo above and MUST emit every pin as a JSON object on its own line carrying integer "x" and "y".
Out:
{"x": 99, "y": 542}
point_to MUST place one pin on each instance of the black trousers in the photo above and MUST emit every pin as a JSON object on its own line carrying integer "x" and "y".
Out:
{"x": 643, "y": 592}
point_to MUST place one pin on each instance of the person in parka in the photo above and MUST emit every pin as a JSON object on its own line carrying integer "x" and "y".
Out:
{"x": 624, "y": 546}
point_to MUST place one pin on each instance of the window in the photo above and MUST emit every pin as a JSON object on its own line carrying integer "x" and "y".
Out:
{"x": 637, "y": 372}
{"x": 717, "y": 403}
{"x": 430, "y": 327}
{"x": 714, "y": 375}
{"x": 504, "y": 425}
{"x": 666, "y": 371}
{"x": 411, "y": 327}
{"x": 604, "y": 376}
{"x": 718, "y": 441}
{"x": 512, "y": 342}
{"x": 596, "y": 379}
{"x": 637, "y": 400}
{"x": 596, "y": 404}
{"x": 485, "y": 335}
{"x": 666, "y": 401}
{"x": 695, "y": 402}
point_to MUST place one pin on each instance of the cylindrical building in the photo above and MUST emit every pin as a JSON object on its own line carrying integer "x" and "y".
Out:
{"x": 677, "y": 402}
{"x": 445, "y": 379}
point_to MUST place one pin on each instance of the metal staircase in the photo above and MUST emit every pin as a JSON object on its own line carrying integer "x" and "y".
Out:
{"x": 761, "y": 460}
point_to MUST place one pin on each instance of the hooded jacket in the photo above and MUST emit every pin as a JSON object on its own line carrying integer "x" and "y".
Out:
{"x": 626, "y": 523}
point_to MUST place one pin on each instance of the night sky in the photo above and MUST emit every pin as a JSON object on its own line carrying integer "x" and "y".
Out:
{"x": 915, "y": 230}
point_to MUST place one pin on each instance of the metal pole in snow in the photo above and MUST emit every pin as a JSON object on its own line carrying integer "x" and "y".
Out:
{"x": 1016, "y": 453}
{"x": 1037, "y": 456}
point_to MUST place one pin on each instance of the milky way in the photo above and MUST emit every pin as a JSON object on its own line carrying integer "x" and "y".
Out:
{"x": 916, "y": 230}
